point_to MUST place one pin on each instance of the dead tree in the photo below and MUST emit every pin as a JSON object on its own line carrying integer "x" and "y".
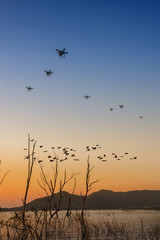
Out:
{"x": 89, "y": 184}
{"x": 49, "y": 187}
{"x": 31, "y": 160}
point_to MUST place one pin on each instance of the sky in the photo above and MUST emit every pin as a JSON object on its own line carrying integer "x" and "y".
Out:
{"x": 113, "y": 56}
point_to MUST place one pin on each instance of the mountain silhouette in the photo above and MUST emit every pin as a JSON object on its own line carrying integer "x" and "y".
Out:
{"x": 103, "y": 199}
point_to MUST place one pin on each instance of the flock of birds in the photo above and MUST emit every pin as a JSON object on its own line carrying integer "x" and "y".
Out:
{"x": 62, "y": 154}
{"x": 70, "y": 152}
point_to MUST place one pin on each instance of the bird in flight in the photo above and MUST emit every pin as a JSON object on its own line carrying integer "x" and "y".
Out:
{"x": 87, "y": 97}
{"x": 140, "y": 117}
{"x": 29, "y": 88}
{"x": 94, "y": 148}
{"x": 111, "y": 109}
{"x": 48, "y": 72}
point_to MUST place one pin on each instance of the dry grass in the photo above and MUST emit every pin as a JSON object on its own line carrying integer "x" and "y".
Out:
{"x": 47, "y": 224}
{"x": 38, "y": 226}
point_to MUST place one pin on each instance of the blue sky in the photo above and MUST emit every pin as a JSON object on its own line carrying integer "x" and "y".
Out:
{"x": 114, "y": 56}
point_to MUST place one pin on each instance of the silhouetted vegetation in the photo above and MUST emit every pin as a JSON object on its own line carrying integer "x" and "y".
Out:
{"x": 48, "y": 223}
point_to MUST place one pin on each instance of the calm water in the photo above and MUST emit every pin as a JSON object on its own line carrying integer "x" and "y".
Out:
{"x": 121, "y": 216}
{"x": 131, "y": 218}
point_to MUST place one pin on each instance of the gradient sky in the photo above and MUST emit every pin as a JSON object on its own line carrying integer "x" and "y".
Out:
{"x": 114, "y": 56}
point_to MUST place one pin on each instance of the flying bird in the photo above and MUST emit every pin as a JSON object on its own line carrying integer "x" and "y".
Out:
{"x": 140, "y": 117}
{"x": 111, "y": 109}
{"x": 94, "y": 148}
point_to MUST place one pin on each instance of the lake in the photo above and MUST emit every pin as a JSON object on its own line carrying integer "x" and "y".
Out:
{"x": 102, "y": 224}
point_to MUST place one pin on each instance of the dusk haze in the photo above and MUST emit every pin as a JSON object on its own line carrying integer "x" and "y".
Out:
{"x": 81, "y": 81}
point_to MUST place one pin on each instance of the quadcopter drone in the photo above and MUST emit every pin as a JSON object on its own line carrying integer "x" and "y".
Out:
{"x": 48, "y": 72}
{"x": 61, "y": 53}
{"x": 87, "y": 97}
{"x": 29, "y": 88}
{"x": 121, "y": 106}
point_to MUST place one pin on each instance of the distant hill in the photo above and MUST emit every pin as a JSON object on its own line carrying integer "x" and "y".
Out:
{"x": 103, "y": 199}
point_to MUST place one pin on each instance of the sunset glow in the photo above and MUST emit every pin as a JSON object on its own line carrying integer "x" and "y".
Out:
{"x": 113, "y": 57}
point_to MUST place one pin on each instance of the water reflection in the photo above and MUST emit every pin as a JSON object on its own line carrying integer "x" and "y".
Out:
{"x": 101, "y": 224}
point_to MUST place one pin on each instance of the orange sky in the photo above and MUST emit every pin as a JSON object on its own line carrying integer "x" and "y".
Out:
{"x": 113, "y": 56}
{"x": 123, "y": 175}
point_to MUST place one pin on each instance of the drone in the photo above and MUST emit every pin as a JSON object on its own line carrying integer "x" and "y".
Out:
{"x": 29, "y": 88}
{"x": 48, "y": 72}
{"x": 61, "y": 53}
{"x": 87, "y": 97}
{"x": 140, "y": 117}
{"x": 121, "y": 106}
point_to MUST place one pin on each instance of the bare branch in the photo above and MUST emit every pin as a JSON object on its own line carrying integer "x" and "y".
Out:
{"x": 3, "y": 177}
